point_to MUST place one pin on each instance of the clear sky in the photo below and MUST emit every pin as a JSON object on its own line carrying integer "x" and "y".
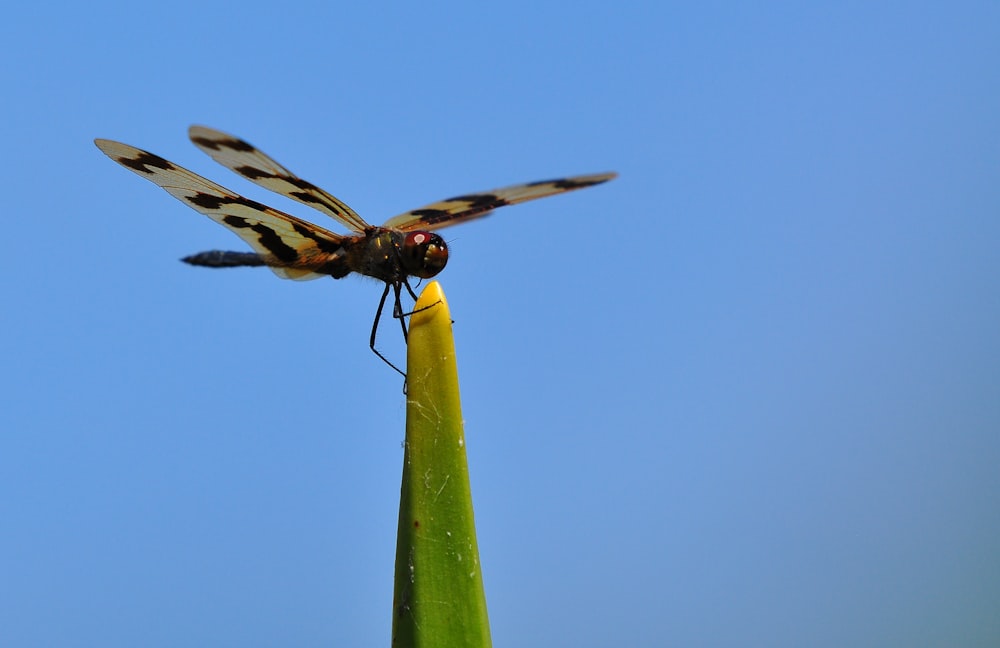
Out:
{"x": 747, "y": 394}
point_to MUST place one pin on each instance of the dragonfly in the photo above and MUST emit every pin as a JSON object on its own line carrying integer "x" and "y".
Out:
{"x": 404, "y": 247}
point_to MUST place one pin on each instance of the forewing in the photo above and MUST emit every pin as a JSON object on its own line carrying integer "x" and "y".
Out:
{"x": 243, "y": 158}
{"x": 476, "y": 205}
{"x": 291, "y": 247}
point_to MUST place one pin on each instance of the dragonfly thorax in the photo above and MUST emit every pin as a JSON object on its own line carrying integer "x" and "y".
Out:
{"x": 392, "y": 256}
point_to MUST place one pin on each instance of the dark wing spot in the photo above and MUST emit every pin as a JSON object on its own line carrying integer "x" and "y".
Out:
{"x": 145, "y": 161}
{"x": 237, "y": 144}
{"x": 323, "y": 243}
{"x": 233, "y": 143}
{"x": 296, "y": 181}
{"x": 252, "y": 173}
{"x": 487, "y": 201}
{"x": 566, "y": 184}
{"x": 307, "y": 197}
{"x": 431, "y": 216}
{"x": 205, "y": 142}
{"x": 266, "y": 236}
{"x": 210, "y": 201}
{"x": 274, "y": 243}
{"x": 235, "y": 221}
{"x": 270, "y": 239}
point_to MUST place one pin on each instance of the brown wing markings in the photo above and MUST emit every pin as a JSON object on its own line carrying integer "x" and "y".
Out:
{"x": 579, "y": 182}
{"x": 219, "y": 140}
{"x": 144, "y": 161}
{"x": 291, "y": 247}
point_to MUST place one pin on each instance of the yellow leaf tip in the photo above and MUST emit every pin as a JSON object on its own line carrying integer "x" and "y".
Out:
{"x": 430, "y": 305}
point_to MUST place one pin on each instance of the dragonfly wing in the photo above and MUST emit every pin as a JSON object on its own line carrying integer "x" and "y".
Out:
{"x": 291, "y": 247}
{"x": 476, "y": 205}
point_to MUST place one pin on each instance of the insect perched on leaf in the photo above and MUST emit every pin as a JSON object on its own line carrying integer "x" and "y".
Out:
{"x": 404, "y": 246}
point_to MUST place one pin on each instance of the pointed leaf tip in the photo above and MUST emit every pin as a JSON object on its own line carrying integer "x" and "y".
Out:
{"x": 430, "y": 306}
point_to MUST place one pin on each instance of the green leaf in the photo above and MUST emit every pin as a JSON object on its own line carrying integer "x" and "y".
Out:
{"x": 438, "y": 600}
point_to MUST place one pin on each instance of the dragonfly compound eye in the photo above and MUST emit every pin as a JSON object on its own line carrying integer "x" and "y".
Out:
{"x": 424, "y": 254}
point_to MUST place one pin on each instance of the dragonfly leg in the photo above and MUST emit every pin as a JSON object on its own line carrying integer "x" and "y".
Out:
{"x": 399, "y": 307}
{"x": 378, "y": 317}
{"x": 410, "y": 289}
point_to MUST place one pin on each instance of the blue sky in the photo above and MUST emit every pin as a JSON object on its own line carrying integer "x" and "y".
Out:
{"x": 745, "y": 394}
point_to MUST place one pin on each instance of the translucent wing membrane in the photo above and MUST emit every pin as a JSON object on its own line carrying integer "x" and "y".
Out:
{"x": 476, "y": 205}
{"x": 291, "y": 247}
{"x": 242, "y": 157}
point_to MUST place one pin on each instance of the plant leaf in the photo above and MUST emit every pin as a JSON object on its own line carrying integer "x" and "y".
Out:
{"x": 438, "y": 599}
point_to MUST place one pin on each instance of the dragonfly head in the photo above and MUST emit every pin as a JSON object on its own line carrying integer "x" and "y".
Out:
{"x": 424, "y": 254}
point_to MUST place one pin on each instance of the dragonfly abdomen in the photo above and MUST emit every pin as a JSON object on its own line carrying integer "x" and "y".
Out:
{"x": 220, "y": 259}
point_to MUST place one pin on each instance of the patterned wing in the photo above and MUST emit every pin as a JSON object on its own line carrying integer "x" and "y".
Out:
{"x": 291, "y": 247}
{"x": 241, "y": 156}
{"x": 463, "y": 208}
